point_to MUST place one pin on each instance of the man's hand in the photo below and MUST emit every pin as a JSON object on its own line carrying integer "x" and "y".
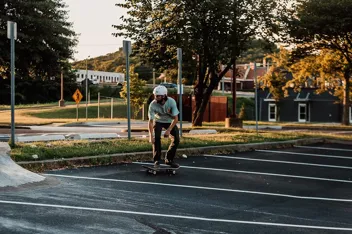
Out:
{"x": 167, "y": 133}
{"x": 151, "y": 139}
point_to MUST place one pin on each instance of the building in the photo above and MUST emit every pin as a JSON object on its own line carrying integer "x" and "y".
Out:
{"x": 100, "y": 77}
{"x": 305, "y": 106}
{"x": 245, "y": 77}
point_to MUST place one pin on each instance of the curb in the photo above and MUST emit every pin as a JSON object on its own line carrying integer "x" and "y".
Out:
{"x": 342, "y": 142}
{"x": 100, "y": 160}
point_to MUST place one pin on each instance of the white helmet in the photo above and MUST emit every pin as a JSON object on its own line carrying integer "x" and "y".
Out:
{"x": 160, "y": 90}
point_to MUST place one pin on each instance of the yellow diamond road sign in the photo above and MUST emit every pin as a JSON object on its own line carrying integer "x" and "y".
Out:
{"x": 77, "y": 96}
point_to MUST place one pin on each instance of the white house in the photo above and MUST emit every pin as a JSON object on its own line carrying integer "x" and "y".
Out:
{"x": 100, "y": 77}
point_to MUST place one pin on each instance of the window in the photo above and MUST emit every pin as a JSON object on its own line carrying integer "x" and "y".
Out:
{"x": 272, "y": 112}
{"x": 302, "y": 113}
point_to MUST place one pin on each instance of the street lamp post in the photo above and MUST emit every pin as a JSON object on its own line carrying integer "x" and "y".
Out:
{"x": 12, "y": 35}
{"x": 180, "y": 88}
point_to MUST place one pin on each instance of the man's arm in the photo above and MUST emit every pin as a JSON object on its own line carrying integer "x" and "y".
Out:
{"x": 150, "y": 127}
{"x": 172, "y": 125}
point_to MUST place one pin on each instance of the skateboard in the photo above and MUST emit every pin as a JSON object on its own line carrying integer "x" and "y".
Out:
{"x": 167, "y": 169}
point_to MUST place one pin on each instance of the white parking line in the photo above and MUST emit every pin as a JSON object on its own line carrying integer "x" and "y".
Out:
{"x": 204, "y": 188}
{"x": 175, "y": 216}
{"x": 323, "y": 148}
{"x": 304, "y": 154}
{"x": 258, "y": 173}
{"x": 278, "y": 161}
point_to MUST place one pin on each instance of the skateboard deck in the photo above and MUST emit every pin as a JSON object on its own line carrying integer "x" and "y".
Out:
{"x": 154, "y": 171}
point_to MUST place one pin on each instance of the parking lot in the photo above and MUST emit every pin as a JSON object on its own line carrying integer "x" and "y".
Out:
{"x": 297, "y": 190}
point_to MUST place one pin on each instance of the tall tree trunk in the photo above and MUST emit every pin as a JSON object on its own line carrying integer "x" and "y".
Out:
{"x": 346, "y": 99}
{"x": 199, "y": 112}
{"x": 202, "y": 98}
{"x": 197, "y": 117}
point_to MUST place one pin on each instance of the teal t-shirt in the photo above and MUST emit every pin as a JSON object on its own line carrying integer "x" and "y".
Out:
{"x": 163, "y": 113}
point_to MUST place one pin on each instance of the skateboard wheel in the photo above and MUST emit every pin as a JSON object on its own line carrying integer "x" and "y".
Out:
{"x": 154, "y": 172}
{"x": 174, "y": 172}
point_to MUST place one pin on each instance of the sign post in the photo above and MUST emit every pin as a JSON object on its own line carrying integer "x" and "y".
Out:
{"x": 127, "y": 51}
{"x": 180, "y": 88}
{"x": 77, "y": 96}
{"x": 12, "y": 35}
{"x": 256, "y": 96}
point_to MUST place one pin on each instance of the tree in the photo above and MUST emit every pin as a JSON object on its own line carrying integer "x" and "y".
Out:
{"x": 324, "y": 71}
{"x": 315, "y": 25}
{"x": 257, "y": 50}
{"x": 277, "y": 76}
{"x": 45, "y": 38}
{"x": 210, "y": 33}
{"x": 138, "y": 94}
{"x": 242, "y": 114}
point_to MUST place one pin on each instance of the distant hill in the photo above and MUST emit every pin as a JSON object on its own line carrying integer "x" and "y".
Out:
{"x": 112, "y": 62}
{"x": 115, "y": 62}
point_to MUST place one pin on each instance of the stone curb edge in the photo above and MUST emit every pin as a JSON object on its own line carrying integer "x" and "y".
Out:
{"x": 100, "y": 160}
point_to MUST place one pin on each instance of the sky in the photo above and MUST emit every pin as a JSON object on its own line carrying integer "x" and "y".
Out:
{"x": 92, "y": 21}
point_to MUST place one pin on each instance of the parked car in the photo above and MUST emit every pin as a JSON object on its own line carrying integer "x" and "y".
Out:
{"x": 169, "y": 85}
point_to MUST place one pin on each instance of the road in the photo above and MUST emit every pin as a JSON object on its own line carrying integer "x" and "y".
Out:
{"x": 296, "y": 190}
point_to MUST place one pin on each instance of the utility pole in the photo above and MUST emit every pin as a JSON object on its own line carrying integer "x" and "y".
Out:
{"x": 128, "y": 50}
{"x": 87, "y": 88}
{"x": 62, "y": 101}
{"x": 234, "y": 73}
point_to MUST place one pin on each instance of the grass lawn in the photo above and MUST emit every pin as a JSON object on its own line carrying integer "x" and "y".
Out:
{"x": 69, "y": 149}
{"x": 119, "y": 111}
{"x": 48, "y": 114}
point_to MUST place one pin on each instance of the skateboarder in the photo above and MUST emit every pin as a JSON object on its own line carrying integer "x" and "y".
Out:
{"x": 163, "y": 113}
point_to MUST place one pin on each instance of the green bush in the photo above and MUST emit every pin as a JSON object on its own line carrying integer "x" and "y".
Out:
{"x": 249, "y": 106}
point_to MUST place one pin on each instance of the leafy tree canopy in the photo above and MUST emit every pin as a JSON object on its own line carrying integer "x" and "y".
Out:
{"x": 44, "y": 38}
{"x": 138, "y": 93}
{"x": 315, "y": 25}
{"x": 210, "y": 33}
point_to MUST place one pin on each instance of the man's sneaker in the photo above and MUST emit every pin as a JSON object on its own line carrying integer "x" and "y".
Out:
{"x": 171, "y": 163}
{"x": 156, "y": 164}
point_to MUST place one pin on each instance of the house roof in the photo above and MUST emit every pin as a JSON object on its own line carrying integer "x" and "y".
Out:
{"x": 246, "y": 71}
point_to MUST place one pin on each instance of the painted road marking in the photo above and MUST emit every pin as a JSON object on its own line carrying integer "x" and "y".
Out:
{"x": 257, "y": 173}
{"x": 278, "y": 161}
{"x": 204, "y": 188}
{"x": 323, "y": 148}
{"x": 175, "y": 216}
{"x": 304, "y": 154}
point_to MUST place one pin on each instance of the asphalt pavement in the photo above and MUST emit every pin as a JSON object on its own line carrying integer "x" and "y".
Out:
{"x": 296, "y": 190}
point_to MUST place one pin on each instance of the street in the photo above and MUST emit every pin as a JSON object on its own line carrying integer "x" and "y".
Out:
{"x": 297, "y": 190}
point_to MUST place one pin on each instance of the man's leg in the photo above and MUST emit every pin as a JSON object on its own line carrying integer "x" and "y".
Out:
{"x": 175, "y": 141}
{"x": 157, "y": 142}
